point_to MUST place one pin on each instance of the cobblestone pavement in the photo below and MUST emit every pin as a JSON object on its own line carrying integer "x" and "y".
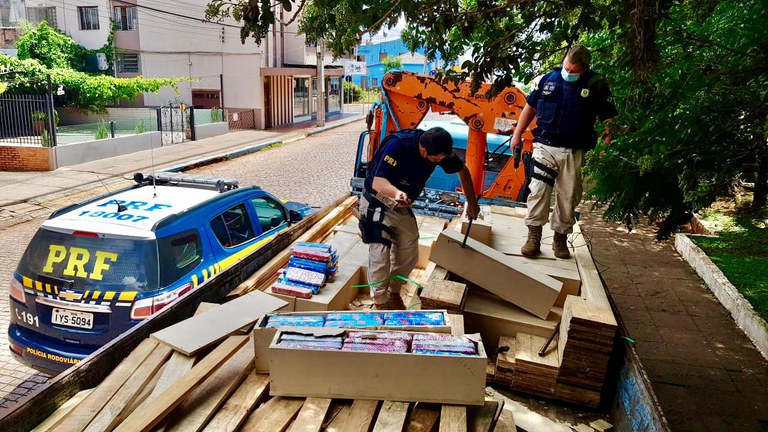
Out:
{"x": 16, "y": 380}
{"x": 315, "y": 170}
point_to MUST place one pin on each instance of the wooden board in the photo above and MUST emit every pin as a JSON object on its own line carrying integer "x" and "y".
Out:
{"x": 484, "y": 418}
{"x": 201, "y": 331}
{"x": 201, "y": 405}
{"x": 63, "y": 410}
{"x": 338, "y": 415}
{"x": 361, "y": 416}
{"x": 311, "y": 416}
{"x": 115, "y": 410}
{"x": 273, "y": 416}
{"x": 423, "y": 417}
{"x": 174, "y": 395}
{"x": 457, "y": 324}
{"x": 531, "y": 290}
{"x": 444, "y": 294}
{"x": 453, "y": 418}
{"x": 391, "y": 417}
{"x": 234, "y": 411}
{"x": 85, "y": 412}
{"x": 592, "y": 286}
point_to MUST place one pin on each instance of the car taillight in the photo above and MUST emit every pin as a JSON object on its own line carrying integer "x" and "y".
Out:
{"x": 17, "y": 290}
{"x": 17, "y": 349}
{"x": 145, "y": 307}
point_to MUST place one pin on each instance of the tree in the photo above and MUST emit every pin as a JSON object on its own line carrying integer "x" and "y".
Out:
{"x": 51, "y": 47}
{"x": 392, "y": 63}
{"x": 689, "y": 79}
{"x": 87, "y": 91}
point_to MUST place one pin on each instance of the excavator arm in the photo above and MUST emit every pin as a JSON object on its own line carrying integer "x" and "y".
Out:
{"x": 407, "y": 97}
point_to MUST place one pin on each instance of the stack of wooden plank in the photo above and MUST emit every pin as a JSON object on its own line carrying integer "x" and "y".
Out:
{"x": 206, "y": 382}
{"x": 505, "y": 361}
{"x": 534, "y": 374}
{"x": 587, "y": 345}
{"x": 444, "y": 294}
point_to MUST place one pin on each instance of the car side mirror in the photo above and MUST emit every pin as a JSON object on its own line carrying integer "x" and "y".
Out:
{"x": 294, "y": 216}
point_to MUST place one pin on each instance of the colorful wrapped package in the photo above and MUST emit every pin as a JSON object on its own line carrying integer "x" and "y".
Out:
{"x": 430, "y": 318}
{"x": 314, "y": 254}
{"x": 354, "y": 316}
{"x": 310, "y": 345}
{"x": 276, "y": 321}
{"x": 296, "y": 337}
{"x": 283, "y": 279}
{"x": 393, "y": 348}
{"x": 304, "y": 276}
{"x": 443, "y": 353}
{"x": 350, "y": 324}
{"x": 427, "y": 343}
{"x": 291, "y": 290}
{"x": 405, "y": 337}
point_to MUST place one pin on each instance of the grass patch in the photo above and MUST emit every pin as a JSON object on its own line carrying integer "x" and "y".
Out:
{"x": 741, "y": 252}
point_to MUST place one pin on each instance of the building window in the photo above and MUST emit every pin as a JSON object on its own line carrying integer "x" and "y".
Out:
{"x": 375, "y": 82}
{"x": 36, "y": 15}
{"x": 89, "y": 17}
{"x": 126, "y": 18}
{"x": 127, "y": 62}
{"x": 382, "y": 56}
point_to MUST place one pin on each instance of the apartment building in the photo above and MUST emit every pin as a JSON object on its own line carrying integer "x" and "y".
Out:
{"x": 270, "y": 85}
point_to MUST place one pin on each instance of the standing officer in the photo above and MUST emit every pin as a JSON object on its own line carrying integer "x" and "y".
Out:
{"x": 399, "y": 171}
{"x": 566, "y": 103}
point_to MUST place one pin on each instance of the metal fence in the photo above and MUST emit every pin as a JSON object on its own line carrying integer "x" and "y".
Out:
{"x": 27, "y": 120}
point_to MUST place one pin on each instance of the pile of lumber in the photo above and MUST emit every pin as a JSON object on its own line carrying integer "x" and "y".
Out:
{"x": 518, "y": 302}
{"x": 193, "y": 377}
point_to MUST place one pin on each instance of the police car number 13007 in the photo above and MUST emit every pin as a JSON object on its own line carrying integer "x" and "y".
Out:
{"x": 72, "y": 318}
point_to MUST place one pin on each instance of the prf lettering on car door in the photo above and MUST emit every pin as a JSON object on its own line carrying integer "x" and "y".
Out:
{"x": 76, "y": 259}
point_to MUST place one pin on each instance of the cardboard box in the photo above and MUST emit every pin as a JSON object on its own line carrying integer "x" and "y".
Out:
{"x": 334, "y": 295}
{"x": 407, "y": 377}
{"x": 263, "y": 335}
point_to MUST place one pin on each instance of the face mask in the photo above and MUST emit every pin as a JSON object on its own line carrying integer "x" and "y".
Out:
{"x": 569, "y": 77}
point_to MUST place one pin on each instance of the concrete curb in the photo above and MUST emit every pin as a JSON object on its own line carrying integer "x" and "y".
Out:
{"x": 743, "y": 313}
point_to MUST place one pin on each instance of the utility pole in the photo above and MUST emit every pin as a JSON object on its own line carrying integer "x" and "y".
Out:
{"x": 320, "y": 84}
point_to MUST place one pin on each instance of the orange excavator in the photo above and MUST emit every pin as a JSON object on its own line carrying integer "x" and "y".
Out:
{"x": 407, "y": 98}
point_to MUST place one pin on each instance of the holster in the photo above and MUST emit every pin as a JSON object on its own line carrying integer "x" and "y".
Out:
{"x": 372, "y": 227}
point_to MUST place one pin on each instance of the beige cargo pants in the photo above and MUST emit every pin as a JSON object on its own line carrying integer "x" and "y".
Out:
{"x": 561, "y": 171}
{"x": 399, "y": 259}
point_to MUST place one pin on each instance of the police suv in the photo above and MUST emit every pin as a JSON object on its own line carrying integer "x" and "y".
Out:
{"x": 96, "y": 268}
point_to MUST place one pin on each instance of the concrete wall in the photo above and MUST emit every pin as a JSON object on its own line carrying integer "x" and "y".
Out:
{"x": 211, "y": 130}
{"x": 19, "y": 158}
{"x": 74, "y": 154}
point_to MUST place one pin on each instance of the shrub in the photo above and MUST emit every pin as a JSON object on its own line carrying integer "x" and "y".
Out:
{"x": 140, "y": 127}
{"x": 102, "y": 131}
{"x": 352, "y": 91}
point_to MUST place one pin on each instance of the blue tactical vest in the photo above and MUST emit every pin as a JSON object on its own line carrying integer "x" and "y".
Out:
{"x": 566, "y": 112}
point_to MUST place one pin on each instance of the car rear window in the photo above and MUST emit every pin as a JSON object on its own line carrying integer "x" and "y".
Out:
{"x": 91, "y": 263}
{"x": 179, "y": 255}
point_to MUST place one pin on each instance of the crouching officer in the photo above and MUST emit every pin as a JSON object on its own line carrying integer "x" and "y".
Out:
{"x": 397, "y": 174}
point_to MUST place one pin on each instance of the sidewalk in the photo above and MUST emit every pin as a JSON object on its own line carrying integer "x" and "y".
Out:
{"x": 706, "y": 374}
{"x": 27, "y": 195}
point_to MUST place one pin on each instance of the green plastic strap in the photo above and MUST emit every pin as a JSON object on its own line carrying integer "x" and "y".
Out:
{"x": 403, "y": 278}
{"x": 630, "y": 340}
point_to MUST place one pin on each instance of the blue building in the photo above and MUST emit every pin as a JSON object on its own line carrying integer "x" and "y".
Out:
{"x": 373, "y": 54}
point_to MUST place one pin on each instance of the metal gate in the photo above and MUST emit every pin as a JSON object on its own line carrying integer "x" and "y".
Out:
{"x": 27, "y": 120}
{"x": 175, "y": 122}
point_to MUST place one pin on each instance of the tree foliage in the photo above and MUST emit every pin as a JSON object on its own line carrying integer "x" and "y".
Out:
{"x": 689, "y": 78}
{"x": 392, "y": 63}
{"x": 92, "y": 92}
{"x": 51, "y": 47}
{"x": 45, "y": 52}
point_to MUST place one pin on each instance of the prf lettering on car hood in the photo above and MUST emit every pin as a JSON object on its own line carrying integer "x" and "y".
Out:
{"x": 76, "y": 259}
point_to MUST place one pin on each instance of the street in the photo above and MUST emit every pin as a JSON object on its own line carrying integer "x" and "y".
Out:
{"x": 315, "y": 170}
